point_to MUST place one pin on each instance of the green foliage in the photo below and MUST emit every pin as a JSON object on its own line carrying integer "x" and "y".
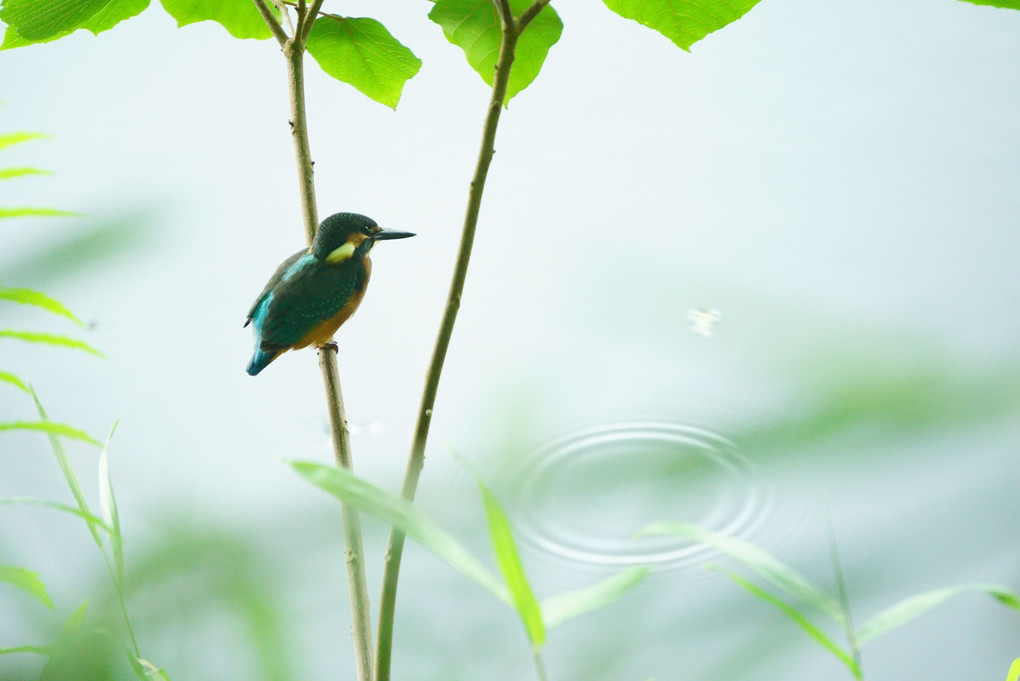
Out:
{"x": 27, "y": 581}
{"x": 474, "y": 26}
{"x": 240, "y": 18}
{"x": 13, "y": 380}
{"x": 51, "y": 429}
{"x": 26, "y": 211}
{"x": 1005, "y": 4}
{"x": 50, "y": 339}
{"x": 685, "y": 22}
{"x": 40, "y": 21}
{"x": 64, "y": 508}
{"x": 1014, "y": 670}
{"x": 7, "y": 139}
{"x": 26, "y": 296}
{"x": 146, "y": 671}
{"x": 8, "y": 173}
{"x": 565, "y": 606}
{"x": 362, "y": 53}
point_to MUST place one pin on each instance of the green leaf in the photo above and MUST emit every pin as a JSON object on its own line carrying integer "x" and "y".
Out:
{"x": 84, "y": 515}
{"x": 29, "y": 211}
{"x": 50, "y": 428}
{"x": 27, "y": 581}
{"x": 108, "y": 507}
{"x": 38, "y": 650}
{"x": 362, "y": 53}
{"x": 779, "y": 574}
{"x": 13, "y": 380}
{"x": 509, "y": 560}
{"x": 559, "y": 608}
{"x": 24, "y": 296}
{"x": 1005, "y": 4}
{"x": 146, "y": 671}
{"x": 39, "y": 21}
{"x": 68, "y": 470}
{"x": 7, "y": 173}
{"x": 474, "y": 26}
{"x": 10, "y": 138}
{"x": 791, "y": 612}
{"x": 685, "y": 22}
{"x": 1014, "y": 670}
{"x": 915, "y": 606}
{"x": 51, "y": 339}
{"x": 367, "y": 498}
{"x": 239, "y": 17}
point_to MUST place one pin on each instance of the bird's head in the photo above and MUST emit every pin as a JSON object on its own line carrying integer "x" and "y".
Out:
{"x": 343, "y": 236}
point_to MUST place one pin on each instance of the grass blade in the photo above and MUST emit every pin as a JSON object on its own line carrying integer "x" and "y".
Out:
{"x": 7, "y": 139}
{"x": 26, "y": 296}
{"x": 52, "y": 429}
{"x": 509, "y": 560}
{"x": 13, "y": 380}
{"x": 368, "y": 498}
{"x": 29, "y": 211}
{"x": 791, "y": 612}
{"x": 27, "y": 581}
{"x": 763, "y": 563}
{"x": 31, "y": 501}
{"x": 7, "y": 173}
{"x": 67, "y": 470}
{"x": 38, "y": 650}
{"x": 564, "y": 606}
{"x": 108, "y": 507}
{"x": 1014, "y": 670}
{"x": 146, "y": 671}
{"x": 51, "y": 339}
{"x": 915, "y": 606}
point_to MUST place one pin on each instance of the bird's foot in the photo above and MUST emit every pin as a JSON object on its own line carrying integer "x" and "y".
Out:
{"x": 330, "y": 345}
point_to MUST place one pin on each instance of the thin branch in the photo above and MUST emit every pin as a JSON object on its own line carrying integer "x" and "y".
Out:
{"x": 506, "y": 17}
{"x": 416, "y": 460}
{"x": 281, "y": 5}
{"x": 529, "y": 14}
{"x": 310, "y": 17}
{"x": 274, "y": 25}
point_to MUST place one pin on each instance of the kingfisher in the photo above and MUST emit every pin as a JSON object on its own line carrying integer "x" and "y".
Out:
{"x": 314, "y": 291}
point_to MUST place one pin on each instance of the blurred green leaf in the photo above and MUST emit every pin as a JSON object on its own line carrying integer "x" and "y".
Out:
{"x": 7, "y": 139}
{"x": 239, "y": 17}
{"x": 915, "y": 606}
{"x": 509, "y": 560}
{"x": 27, "y": 211}
{"x": 146, "y": 671}
{"x": 564, "y": 606}
{"x": 474, "y": 26}
{"x": 1005, "y": 4}
{"x": 38, "y": 650}
{"x": 13, "y": 380}
{"x": 367, "y": 498}
{"x": 51, "y": 339}
{"x": 64, "y": 508}
{"x": 45, "y": 20}
{"x": 50, "y": 428}
{"x": 791, "y": 612}
{"x": 66, "y": 468}
{"x": 108, "y": 507}
{"x": 8, "y": 173}
{"x": 24, "y": 296}
{"x": 1014, "y": 670}
{"x": 27, "y": 581}
{"x": 685, "y": 22}
{"x": 362, "y": 53}
{"x": 779, "y": 574}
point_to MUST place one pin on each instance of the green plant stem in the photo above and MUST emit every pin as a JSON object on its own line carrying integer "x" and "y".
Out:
{"x": 511, "y": 31}
{"x": 844, "y": 600}
{"x": 293, "y": 50}
{"x": 540, "y": 666}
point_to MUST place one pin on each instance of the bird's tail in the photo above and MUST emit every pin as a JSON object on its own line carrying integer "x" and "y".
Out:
{"x": 260, "y": 360}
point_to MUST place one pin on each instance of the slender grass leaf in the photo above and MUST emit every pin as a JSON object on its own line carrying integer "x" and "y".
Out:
{"x": 509, "y": 560}
{"x": 1014, "y": 670}
{"x": 38, "y": 650}
{"x": 52, "y": 429}
{"x": 13, "y": 380}
{"x": 146, "y": 671}
{"x": 240, "y": 17}
{"x": 51, "y": 339}
{"x": 27, "y": 211}
{"x": 559, "y": 608}
{"x": 108, "y": 507}
{"x": 27, "y": 581}
{"x": 8, "y": 173}
{"x": 68, "y": 471}
{"x": 1005, "y": 4}
{"x": 7, "y": 139}
{"x": 474, "y": 26}
{"x": 367, "y": 498}
{"x": 45, "y": 20}
{"x": 685, "y": 22}
{"x": 25, "y": 296}
{"x": 362, "y": 53}
{"x": 791, "y": 612}
{"x": 64, "y": 508}
{"x": 779, "y": 574}
{"x": 915, "y": 606}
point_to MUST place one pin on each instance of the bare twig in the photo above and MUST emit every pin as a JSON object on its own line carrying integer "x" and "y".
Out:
{"x": 271, "y": 21}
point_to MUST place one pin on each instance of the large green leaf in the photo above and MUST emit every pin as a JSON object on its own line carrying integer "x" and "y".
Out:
{"x": 239, "y": 17}
{"x": 685, "y": 22}
{"x": 915, "y": 606}
{"x": 1014, "y": 670}
{"x": 1005, "y": 4}
{"x": 779, "y": 574}
{"x": 25, "y": 296}
{"x": 509, "y": 560}
{"x": 37, "y": 21}
{"x": 474, "y": 26}
{"x": 51, "y": 339}
{"x": 50, "y": 428}
{"x": 27, "y": 581}
{"x": 367, "y": 498}
{"x": 564, "y": 606}
{"x": 362, "y": 53}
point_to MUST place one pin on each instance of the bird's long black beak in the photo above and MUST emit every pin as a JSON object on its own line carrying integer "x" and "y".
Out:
{"x": 384, "y": 234}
